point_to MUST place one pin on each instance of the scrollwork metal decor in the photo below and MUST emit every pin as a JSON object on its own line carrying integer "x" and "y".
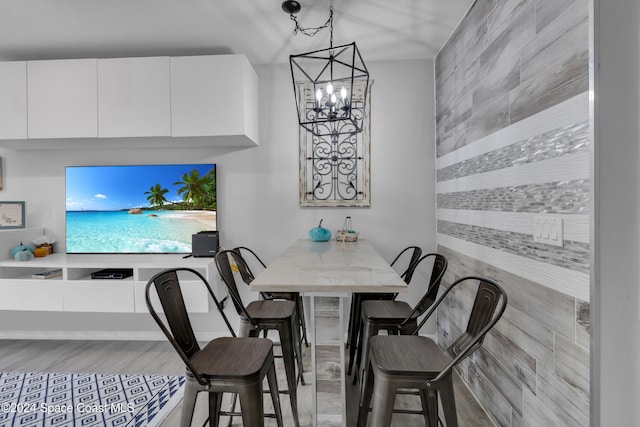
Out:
{"x": 335, "y": 168}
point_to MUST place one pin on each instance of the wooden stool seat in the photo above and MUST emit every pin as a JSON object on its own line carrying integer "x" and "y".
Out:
{"x": 270, "y": 310}
{"x": 383, "y": 312}
{"x": 228, "y": 357}
{"x": 417, "y": 357}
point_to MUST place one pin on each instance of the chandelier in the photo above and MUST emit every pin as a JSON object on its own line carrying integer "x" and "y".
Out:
{"x": 330, "y": 85}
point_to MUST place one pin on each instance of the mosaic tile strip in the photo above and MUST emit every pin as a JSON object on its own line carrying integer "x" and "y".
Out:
{"x": 563, "y": 197}
{"x": 574, "y": 255}
{"x": 558, "y": 142}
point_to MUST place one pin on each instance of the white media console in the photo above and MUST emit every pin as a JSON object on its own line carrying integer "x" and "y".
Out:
{"x": 76, "y": 291}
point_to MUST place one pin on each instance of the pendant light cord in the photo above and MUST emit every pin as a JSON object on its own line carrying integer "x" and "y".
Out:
{"x": 312, "y": 31}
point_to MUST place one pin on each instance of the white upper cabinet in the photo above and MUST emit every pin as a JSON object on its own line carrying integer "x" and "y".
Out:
{"x": 62, "y": 98}
{"x": 214, "y": 96}
{"x": 134, "y": 97}
{"x": 13, "y": 100}
{"x": 207, "y": 100}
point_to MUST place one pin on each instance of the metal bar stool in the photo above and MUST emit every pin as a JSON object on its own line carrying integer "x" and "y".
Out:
{"x": 398, "y": 317}
{"x": 357, "y": 298}
{"x": 265, "y": 315}
{"x": 289, "y": 296}
{"x": 224, "y": 365}
{"x": 416, "y": 362}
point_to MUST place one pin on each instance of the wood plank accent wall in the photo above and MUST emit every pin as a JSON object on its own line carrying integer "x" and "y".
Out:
{"x": 512, "y": 126}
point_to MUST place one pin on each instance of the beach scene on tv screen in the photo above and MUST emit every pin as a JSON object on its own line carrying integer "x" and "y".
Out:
{"x": 138, "y": 209}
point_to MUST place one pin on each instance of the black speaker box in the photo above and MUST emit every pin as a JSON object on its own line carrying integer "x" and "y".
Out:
{"x": 204, "y": 244}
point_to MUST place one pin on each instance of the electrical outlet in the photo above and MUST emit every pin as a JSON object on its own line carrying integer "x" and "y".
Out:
{"x": 548, "y": 229}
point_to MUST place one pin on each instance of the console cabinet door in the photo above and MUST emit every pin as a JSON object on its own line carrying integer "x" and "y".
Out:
{"x": 13, "y": 100}
{"x": 62, "y": 98}
{"x": 134, "y": 97}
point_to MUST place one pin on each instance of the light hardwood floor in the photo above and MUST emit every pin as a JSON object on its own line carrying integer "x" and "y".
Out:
{"x": 147, "y": 357}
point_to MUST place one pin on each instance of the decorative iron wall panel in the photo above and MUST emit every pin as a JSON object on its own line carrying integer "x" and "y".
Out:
{"x": 335, "y": 169}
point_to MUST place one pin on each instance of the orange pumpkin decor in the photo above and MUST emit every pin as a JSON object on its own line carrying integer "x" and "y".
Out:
{"x": 41, "y": 251}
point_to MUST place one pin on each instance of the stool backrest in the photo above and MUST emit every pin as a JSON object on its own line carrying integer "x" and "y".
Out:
{"x": 488, "y": 307}
{"x": 223, "y": 264}
{"x": 407, "y": 272}
{"x": 248, "y": 253}
{"x": 440, "y": 264}
{"x": 483, "y": 314}
{"x": 178, "y": 329}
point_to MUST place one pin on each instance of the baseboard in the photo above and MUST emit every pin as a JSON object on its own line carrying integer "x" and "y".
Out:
{"x": 112, "y": 335}
{"x": 98, "y": 335}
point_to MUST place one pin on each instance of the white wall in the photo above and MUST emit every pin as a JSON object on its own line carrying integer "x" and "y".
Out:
{"x": 616, "y": 255}
{"x": 258, "y": 187}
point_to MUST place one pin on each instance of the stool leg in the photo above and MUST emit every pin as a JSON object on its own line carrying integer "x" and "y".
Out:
{"x": 234, "y": 399}
{"x": 354, "y": 328}
{"x": 367, "y": 330}
{"x": 303, "y": 323}
{"x": 251, "y": 405}
{"x": 427, "y": 413}
{"x": 191, "y": 389}
{"x": 448, "y": 400}
{"x": 275, "y": 396}
{"x": 297, "y": 346}
{"x": 365, "y": 397}
{"x": 384, "y": 396}
{"x": 245, "y": 328}
{"x": 215, "y": 402}
{"x": 429, "y": 399}
{"x": 288, "y": 343}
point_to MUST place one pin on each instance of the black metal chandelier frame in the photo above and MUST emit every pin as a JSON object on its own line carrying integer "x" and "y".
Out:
{"x": 324, "y": 84}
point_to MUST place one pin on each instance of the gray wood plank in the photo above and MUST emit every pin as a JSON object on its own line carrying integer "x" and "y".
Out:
{"x": 567, "y": 397}
{"x": 559, "y": 82}
{"x": 488, "y": 396}
{"x": 491, "y": 118}
{"x": 499, "y": 377}
{"x": 572, "y": 363}
{"x": 583, "y": 326}
{"x": 506, "y": 13}
{"x": 551, "y": 406}
{"x": 548, "y": 10}
{"x": 558, "y": 41}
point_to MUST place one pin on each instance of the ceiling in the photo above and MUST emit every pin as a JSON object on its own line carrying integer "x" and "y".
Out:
{"x": 383, "y": 29}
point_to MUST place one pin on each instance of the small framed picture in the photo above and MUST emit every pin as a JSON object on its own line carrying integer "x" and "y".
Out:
{"x": 11, "y": 215}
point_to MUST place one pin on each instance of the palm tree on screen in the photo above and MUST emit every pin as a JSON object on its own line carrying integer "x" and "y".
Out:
{"x": 156, "y": 195}
{"x": 192, "y": 187}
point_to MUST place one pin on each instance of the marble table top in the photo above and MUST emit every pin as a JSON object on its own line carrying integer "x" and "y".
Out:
{"x": 328, "y": 267}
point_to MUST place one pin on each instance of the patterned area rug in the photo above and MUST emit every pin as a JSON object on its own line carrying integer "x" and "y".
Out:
{"x": 87, "y": 400}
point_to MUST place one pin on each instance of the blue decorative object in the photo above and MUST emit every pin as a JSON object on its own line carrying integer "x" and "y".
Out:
{"x": 19, "y": 248}
{"x": 24, "y": 255}
{"x": 319, "y": 233}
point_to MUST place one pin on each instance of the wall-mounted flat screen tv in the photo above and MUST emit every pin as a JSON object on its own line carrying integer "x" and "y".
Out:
{"x": 138, "y": 209}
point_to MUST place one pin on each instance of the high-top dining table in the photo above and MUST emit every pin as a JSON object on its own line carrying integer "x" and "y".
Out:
{"x": 327, "y": 273}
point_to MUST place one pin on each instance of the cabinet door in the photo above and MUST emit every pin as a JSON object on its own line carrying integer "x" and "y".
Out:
{"x": 134, "y": 97}
{"x": 214, "y": 95}
{"x": 98, "y": 296}
{"x": 13, "y": 100}
{"x": 62, "y": 98}
{"x": 31, "y": 295}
